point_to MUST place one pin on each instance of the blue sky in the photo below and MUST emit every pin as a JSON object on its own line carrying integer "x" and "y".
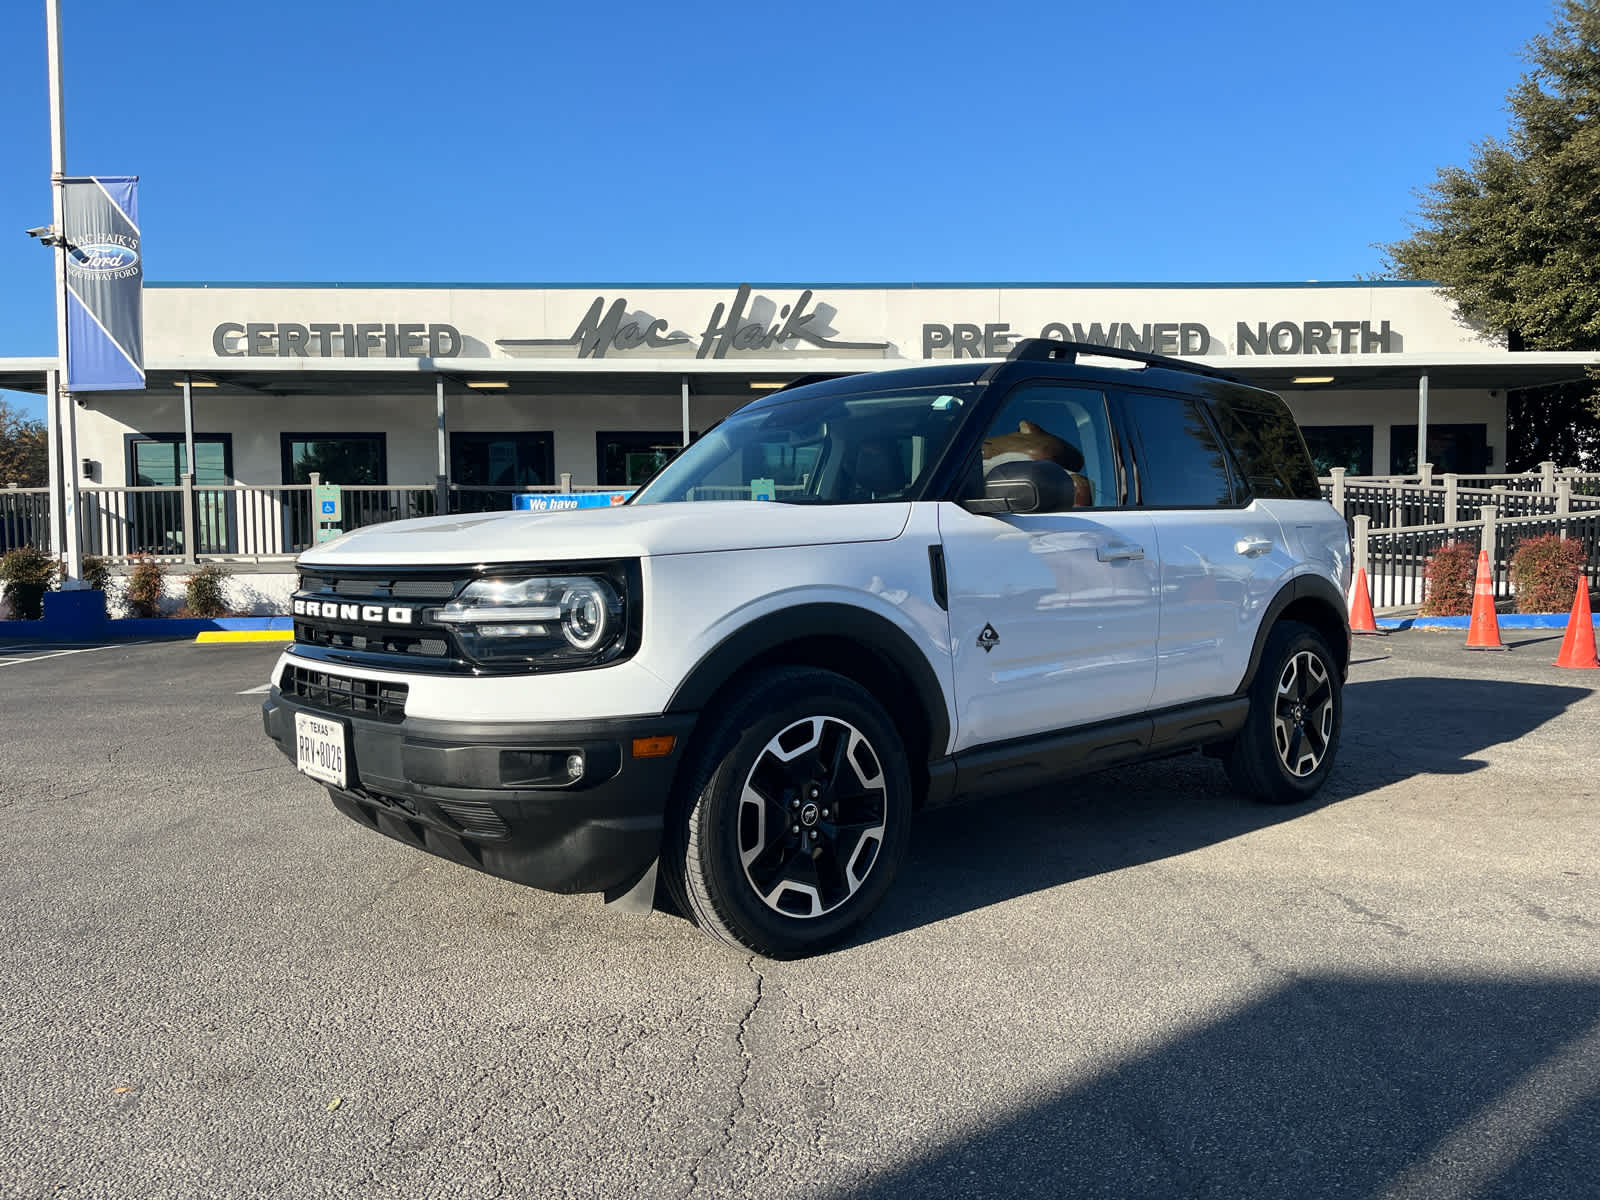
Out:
{"x": 874, "y": 142}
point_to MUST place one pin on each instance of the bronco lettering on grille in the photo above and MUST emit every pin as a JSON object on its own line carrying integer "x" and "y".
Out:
{"x": 371, "y": 614}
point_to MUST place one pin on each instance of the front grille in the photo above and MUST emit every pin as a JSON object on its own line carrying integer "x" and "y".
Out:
{"x": 376, "y": 641}
{"x": 338, "y": 694}
{"x": 381, "y": 589}
{"x": 375, "y": 637}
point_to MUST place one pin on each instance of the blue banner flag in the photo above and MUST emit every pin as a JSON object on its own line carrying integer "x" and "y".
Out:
{"x": 105, "y": 284}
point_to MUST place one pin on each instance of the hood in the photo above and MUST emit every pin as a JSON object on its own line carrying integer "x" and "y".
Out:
{"x": 632, "y": 531}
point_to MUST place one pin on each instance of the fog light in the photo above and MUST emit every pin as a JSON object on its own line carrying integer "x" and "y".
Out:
{"x": 574, "y": 766}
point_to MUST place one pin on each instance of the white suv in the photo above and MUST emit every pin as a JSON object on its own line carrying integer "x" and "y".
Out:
{"x": 850, "y": 600}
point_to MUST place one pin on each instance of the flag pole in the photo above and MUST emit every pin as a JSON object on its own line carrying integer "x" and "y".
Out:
{"x": 63, "y": 474}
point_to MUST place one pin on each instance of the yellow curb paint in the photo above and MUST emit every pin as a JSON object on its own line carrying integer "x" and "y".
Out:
{"x": 245, "y": 635}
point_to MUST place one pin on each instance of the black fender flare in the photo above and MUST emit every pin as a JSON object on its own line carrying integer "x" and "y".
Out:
{"x": 877, "y": 635}
{"x": 1306, "y": 590}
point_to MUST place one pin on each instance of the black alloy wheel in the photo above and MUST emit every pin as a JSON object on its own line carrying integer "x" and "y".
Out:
{"x": 793, "y": 816}
{"x": 1290, "y": 738}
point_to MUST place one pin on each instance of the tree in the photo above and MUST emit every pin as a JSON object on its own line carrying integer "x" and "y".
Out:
{"x": 24, "y": 449}
{"x": 1515, "y": 235}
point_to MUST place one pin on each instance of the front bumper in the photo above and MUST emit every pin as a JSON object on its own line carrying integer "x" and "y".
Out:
{"x": 493, "y": 796}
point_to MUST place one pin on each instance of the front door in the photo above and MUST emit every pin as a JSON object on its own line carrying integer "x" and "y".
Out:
{"x": 1054, "y": 617}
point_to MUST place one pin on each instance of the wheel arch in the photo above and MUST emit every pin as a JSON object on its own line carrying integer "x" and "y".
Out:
{"x": 859, "y": 645}
{"x": 1312, "y": 600}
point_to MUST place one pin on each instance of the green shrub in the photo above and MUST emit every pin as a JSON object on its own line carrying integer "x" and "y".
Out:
{"x": 1451, "y": 571}
{"x": 1545, "y": 571}
{"x": 204, "y": 592}
{"x": 144, "y": 587}
{"x": 27, "y": 573}
{"x": 96, "y": 572}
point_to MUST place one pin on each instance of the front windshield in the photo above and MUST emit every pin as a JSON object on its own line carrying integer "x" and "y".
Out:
{"x": 864, "y": 448}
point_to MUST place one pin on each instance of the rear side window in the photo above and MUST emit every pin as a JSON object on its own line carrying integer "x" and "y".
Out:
{"x": 1268, "y": 448}
{"x": 1181, "y": 464}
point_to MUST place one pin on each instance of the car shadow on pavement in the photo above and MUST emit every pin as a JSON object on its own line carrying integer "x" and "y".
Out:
{"x": 1328, "y": 1086}
{"x": 973, "y": 855}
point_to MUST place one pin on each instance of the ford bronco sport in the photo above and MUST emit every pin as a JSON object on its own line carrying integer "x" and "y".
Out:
{"x": 852, "y": 599}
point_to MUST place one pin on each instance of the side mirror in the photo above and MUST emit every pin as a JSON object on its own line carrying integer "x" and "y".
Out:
{"x": 1033, "y": 486}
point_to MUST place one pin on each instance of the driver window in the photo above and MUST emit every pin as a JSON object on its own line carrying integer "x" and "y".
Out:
{"x": 1064, "y": 425}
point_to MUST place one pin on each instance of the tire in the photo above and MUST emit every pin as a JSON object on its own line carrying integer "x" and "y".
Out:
{"x": 1290, "y": 738}
{"x": 756, "y": 853}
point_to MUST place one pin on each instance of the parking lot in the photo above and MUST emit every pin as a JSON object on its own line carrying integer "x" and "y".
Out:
{"x": 211, "y": 984}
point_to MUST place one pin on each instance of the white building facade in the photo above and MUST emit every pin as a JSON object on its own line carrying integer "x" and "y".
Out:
{"x": 511, "y": 387}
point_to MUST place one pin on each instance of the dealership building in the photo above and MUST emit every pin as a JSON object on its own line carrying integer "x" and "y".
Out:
{"x": 488, "y": 386}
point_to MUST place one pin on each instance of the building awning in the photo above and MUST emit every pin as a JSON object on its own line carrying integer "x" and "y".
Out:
{"x": 402, "y": 376}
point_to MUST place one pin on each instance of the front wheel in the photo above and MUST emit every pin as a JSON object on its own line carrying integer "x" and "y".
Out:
{"x": 794, "y": 815}
{"x": 1290, "y": 738}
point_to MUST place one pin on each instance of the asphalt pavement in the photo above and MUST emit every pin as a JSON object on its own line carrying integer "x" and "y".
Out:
{"x": 213, "y": 985}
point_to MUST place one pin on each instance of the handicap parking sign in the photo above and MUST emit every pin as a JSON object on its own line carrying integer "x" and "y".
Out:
{"x": 328, "y": 506}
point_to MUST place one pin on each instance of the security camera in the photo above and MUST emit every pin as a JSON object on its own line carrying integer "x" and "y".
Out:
{"x": 41, "y": 231}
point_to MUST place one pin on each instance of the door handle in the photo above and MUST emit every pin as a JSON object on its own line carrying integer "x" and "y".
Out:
{"x": 1251, "y": 546}
{"x": 1119, "y": 552}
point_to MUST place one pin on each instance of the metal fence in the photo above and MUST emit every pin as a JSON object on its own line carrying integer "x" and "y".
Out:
{"x": 236, "y": 522}
{"x": 1396, "y": 559}
{"x": 24, "y": 518}
{"x": 1452, "y": 499}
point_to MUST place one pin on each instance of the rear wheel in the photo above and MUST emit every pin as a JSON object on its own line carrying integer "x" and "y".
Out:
{"x": 1287, "y": 747}
{"x": 793, "y": 816}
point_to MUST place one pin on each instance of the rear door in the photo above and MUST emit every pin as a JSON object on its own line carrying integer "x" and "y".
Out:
{"x": 1222, "y": 554}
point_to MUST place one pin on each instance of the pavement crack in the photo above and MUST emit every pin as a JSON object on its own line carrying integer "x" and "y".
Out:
{"x": 1368, "y": 916}
{"x": 740, "y": 1101}
{"x": 1540, "y": 913}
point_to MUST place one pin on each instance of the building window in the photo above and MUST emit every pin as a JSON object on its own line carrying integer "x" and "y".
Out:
{"x": 628, "y": 459}
{"x": 345, "y": 458}
{"x": 1347, "y": 446}
{"x": 485, "y": 468}
{"x": 154, "y": 520}
{"x": 1463, "y": 449}
{"x": 352, "y": 460}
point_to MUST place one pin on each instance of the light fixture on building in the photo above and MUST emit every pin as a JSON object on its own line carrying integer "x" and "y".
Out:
{"x": 761, "y": 385}
{"x": 1312, "y": 379}
{"x": 488, "y": 383}
{"x": 194, "y": 383}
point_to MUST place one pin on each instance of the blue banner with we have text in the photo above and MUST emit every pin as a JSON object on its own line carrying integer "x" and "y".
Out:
{"x": 105, "y": 284}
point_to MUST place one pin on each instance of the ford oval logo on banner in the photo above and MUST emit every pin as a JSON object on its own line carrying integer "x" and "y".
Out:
{"x": 103, "y": 256}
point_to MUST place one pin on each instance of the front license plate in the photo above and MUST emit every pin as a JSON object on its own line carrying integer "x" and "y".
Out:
{"x": 321, "y": 748}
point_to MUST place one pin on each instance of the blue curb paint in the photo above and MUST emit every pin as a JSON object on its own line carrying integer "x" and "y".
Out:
{"x": 1504, "y": 620}
{"x": 80, "y": 616}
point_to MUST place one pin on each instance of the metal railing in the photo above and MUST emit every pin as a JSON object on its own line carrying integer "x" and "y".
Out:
{"x": 1452, "y": 499}
{"x": 24, "y": 518}
{"x": 1396, "y": 559}
{"x": 235, "y": 522}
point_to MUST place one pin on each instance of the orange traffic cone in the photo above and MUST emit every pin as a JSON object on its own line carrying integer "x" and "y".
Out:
{"x": 1361, "y": 620}
{"x": 1484, "y": 631}
{"x": 1577, "y": 648}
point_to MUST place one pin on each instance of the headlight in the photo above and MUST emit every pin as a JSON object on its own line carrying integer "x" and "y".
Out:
{"x": 550, "y": 620}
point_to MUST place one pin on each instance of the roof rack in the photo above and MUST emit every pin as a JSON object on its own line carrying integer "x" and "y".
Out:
{"x": 1053, "y": 349}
